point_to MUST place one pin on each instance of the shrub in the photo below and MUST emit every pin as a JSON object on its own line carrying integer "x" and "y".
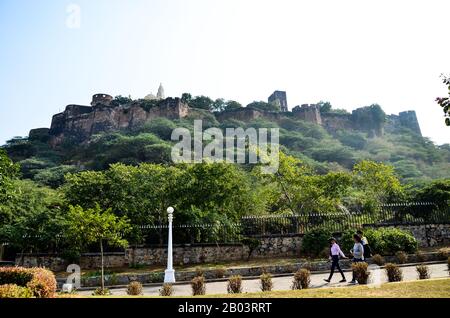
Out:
{"x": 442, "y": 254}
{"x": 315, "y": 241}
{"x": 394, "y": 273}
{"x": 423, "y": 271}
{"x": 40, "y": 281}
{"x": 166, "y": 290}
{"x": 220, "y": 272}
{"x": 234, "y": 284}
{"x": 252, "y": 245}
{"x": 388, "y": 241}
{"x": 421, "y": 257}
{"x": 402, "y": 257}
{"x": 448, "y": 265}
{"x": 378, "y": 259}
{"x": 266, "y": 282}
{"x": 101, "y": 292}
{"x": 361, "y": 272}
{"x": 14, "y": 291}
{"x": 199, "y": 272}
{"x": 302, "y": 279}
{"x": 134, "y": 289}
{"x": 198, "y": 286}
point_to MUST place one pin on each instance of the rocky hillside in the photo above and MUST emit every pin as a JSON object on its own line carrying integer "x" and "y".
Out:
{"x": 123, "y": 130}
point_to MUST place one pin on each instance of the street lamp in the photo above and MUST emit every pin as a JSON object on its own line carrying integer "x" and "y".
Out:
{"x": 169, "y": 273}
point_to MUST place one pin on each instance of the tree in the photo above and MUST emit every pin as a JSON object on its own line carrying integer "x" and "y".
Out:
{"x": 444, "y": 102}
{"x": 202, "y": 102}
{"x": 8, "y": 171}
{"x": 325, "y": 107}
{"x": 32, "y": 219}
{"x": 186, "y": 98}
{"x": 377, "y": 182}
{"x": 121, "y": 100}
{"x": 264, "y": 106}
{"x": 437, "y": 192}
{"x": 221, "y": 105}
{"x": 89, "y": 226}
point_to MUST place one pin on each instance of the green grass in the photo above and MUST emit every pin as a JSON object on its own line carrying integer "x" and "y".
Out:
{"x": 435, "y": 288}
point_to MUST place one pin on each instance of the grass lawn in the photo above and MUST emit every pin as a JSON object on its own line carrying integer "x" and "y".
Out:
{"x": 433, "y": 288}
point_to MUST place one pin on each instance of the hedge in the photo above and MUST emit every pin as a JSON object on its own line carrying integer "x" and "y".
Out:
{"x": 383, "y": 241}
{"x": 41, "y": 282}
{"x": 14, "y": 291}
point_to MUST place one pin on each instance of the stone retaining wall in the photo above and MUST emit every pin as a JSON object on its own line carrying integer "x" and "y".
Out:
{"x": 428, "y": 235}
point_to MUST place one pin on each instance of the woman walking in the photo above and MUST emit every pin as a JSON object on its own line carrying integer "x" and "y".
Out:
{"x": 365, "y": 243}
{"x": 358, "y": 253}
{"x": 335, "y": 253}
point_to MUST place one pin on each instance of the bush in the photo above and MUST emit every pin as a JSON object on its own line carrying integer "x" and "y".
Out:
{"x": 266, "y": 282}
{"x": 361, "y": 272}
{"x": 234, "y": 284}
{"x": 199, "y": 272}
{"x": 198, "y": 286}
{"x": 315, "y": 241}
{"x": 166, "y": 290}
{"x": 134, "y": 289}
{"x": 220, "y": 272}
{"x": 14, "y": 291}
{"x": 302, "y": 279}
{"x": 101, "y": 292}
{"x": 388, "y": 241}
{"x": 40, "y": 281}
{"x": 448, "y": 265}
{"x": 402, "y": 257}
{"x": 378, "y": 259}
{"x": 423, "y": 271}
{"x": 442, "y": 254}
{"x": 394, "y": 273}
{"x": 421, "y": 257}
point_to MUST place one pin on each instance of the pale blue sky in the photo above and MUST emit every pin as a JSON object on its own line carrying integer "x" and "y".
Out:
{"x": 352, "y": 53}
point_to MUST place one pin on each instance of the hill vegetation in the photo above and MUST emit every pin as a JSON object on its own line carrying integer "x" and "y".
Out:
{"x": 130, "y": 173}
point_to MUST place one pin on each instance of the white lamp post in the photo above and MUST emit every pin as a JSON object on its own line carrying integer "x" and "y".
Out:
{"x": 169, "y": 273}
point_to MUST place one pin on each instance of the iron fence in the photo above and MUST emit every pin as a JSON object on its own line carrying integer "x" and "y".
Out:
{"x": 409, "y": 213}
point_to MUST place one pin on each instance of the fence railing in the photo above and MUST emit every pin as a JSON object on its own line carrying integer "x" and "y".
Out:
{"x": 286, "y": 225}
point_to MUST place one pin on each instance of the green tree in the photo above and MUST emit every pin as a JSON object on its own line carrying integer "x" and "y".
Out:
{"x": 444, "y": 102}
{"x": 32, "y": 219}
{"x": 202, "y": 102}
{"x": 325, "y": 107}
{"x": 121, "y": 100}
{"x": 8, "y": 171}
{"x": 264, "y": 106}
{"x": 186, "y": 98}
{"x": 94, "y": 226}
{"x": 377, "y": 182}
{"x": 437, "y": 191}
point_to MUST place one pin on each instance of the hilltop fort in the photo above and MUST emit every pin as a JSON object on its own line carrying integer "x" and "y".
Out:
{"x": 80, "y": 122}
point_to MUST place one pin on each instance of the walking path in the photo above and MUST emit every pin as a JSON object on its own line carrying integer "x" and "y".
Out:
{"x": 284, "y": 283}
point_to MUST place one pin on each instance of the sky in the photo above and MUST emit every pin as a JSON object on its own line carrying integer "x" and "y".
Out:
{"x": 351, "y": 53}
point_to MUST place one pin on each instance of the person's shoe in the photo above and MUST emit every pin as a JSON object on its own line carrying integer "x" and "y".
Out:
{"x": 327, "y": 280}
{"x": 342, "y": 280}
{"x": 353, "y": 282}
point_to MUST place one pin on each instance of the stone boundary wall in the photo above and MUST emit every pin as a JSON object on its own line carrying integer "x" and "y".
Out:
{"x": 271, "y": 247}
{"x": 427, "y": 235}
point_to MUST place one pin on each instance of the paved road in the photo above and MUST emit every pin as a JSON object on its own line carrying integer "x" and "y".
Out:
{"x": 284, "y": 283}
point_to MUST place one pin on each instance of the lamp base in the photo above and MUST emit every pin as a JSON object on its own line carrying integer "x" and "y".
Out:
{"x": 169, "y": 276}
